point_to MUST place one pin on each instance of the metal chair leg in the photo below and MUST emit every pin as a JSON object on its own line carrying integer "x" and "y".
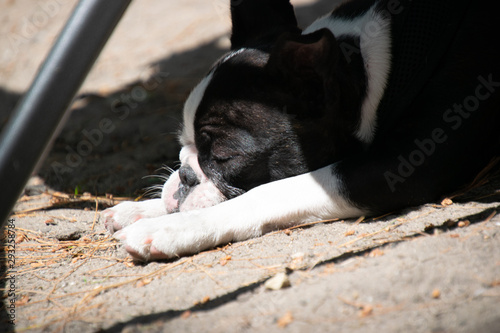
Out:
{"x": 42, "y": 110}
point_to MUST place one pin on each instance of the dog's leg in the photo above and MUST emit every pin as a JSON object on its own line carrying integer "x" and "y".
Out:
{"x": 312, "y": 196}
{"x": 126, "y": 213}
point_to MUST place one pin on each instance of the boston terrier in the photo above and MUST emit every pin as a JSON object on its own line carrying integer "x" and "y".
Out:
{"x": 377, "y": 106}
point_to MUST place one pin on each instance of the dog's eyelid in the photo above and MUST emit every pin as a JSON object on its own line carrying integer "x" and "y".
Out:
{"x": 206, "y": 135}
{"x": 223, "y": 158}
{"x": 223, "y": 155}
{"x": 220, "y": 159}
{"x": 208, "y": 129}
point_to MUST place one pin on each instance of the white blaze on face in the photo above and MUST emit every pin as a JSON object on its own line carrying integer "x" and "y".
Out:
{"x": 205, "y": 194}
{"x": 187, "y": 136}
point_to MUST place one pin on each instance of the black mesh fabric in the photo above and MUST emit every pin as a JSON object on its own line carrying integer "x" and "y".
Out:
{"x": 421, "y": 34}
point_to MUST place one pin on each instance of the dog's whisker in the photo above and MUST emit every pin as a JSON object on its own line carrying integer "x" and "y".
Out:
{"x": 153, "y": 191}
{"x": 167, "y": 169}
{"x": 150, "y": 176}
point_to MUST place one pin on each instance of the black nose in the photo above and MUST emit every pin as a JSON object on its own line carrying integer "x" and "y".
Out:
{"x": 188, "y": 176}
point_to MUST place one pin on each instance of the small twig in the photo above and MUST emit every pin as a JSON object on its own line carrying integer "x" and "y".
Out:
{"x": 312, "y": 223}
{"x": 301, "y": 226}
{"x": 385, "y": 229}
{"x": 208, "y": 274}
{"x": 491, "y": 216}
{"x": 351, "y": 303}
{"x": 66, "y": 199}
{"x": 359, "y": 220}
{"x": 98, "y": 269}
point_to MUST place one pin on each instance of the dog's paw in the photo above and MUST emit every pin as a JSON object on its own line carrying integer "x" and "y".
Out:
{"x": 126, "y": 213}
{"x": 164, "y": 237}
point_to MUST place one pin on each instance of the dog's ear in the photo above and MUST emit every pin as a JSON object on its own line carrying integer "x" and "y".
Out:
{"x": 306, "y": 65}
{"x": 260, "y": 21}
{"x": 304, "y": 56}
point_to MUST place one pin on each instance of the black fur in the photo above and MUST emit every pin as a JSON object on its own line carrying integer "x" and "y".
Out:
{"x": 384, "y": 177}
{"x": 258, "y": 22}
{"x": 290, "y": 103}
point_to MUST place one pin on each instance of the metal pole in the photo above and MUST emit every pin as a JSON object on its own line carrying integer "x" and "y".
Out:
{"x": 42, "y": 109}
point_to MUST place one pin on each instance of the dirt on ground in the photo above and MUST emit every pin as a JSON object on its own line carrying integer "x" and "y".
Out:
{"x": 434, "y": 268}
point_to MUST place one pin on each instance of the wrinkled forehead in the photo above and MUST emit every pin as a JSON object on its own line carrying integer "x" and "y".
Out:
{"x": 234, "y": 74}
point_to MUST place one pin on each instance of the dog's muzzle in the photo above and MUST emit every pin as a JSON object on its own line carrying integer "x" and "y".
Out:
{"x": 188, "y": 181}
{"x": 189, "y": 188}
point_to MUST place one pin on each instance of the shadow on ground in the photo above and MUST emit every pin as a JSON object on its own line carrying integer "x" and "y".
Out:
{"x": 119, "y": 143}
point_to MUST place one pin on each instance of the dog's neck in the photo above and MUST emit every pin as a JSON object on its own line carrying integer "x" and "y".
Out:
{"x": 367, "y": 35}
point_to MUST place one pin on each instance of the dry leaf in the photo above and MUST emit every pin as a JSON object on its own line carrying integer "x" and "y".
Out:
{"x": 286, "y": 320}
{"x": 143, "y": 282}
{"x": 50, "y": 222}
{"x": 224, "y": 260}
{"x": 23, "y": 300}
{"x": 350, "y": 233}
{"x": 446, "y": 202}
{"x": 495, "y": 283}
{"x": 20, "y": 238}
{"x": 186, "y": 314}
{"x": 366, "y": 310}
{"x": 329, "y": 268}
{"x": 376, "y": 253}
{"x": 86, "y": 239}
{"x": 129, "y": 264}
{"x": 204, "y": 300}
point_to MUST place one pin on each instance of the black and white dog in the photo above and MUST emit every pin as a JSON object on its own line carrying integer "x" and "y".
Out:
{"x": 377, "y": 106}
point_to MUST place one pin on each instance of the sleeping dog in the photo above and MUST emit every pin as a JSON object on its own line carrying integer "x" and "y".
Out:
{"x": 377, "y": 106}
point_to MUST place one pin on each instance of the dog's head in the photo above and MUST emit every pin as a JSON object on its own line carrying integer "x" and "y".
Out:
{"x": 270, "y": 109}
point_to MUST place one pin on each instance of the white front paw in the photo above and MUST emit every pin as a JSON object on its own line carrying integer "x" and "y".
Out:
{"x": 165, "y": 237}
{"x": 126, "y": 213}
